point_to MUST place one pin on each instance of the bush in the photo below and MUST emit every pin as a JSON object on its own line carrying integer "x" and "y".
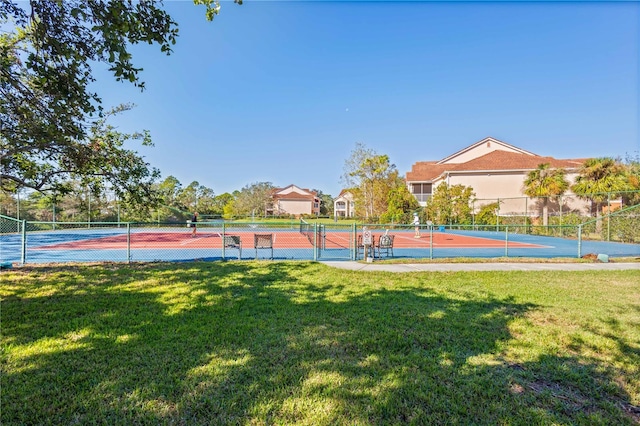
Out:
{"x": 487, "y": 214}
{"x": 622, "y": 228}
{"x": 567, "y": 225}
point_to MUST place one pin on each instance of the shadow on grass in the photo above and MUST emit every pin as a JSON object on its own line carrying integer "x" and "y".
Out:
{"x": 263, "y": 343}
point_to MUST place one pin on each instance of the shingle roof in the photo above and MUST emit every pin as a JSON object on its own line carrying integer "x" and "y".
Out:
{"x": 487, "y": 140}
{"x": 345, "y": 192}
{"x": 425, "y": 171}
{"x": 294, "y": 196}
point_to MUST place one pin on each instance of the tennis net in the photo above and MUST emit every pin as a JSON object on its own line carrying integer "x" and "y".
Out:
{"x": 307, "y": 230}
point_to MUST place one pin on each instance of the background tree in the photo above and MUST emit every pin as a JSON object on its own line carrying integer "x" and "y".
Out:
{"x": 450, "y": 204}
{"x": 220, "y": 201}
{"x": 373, "y": 177}
{"x": 178, "y": 203}
{"x": 40, "y": 206}
{"x": 170, "y": 208}
{"x": 229, "y": 209}
{"x": 47, "y": 107}
{"x": 598, "y": 179}
{"x": 545, "y": 183}
{"x": 8, "y": 203}
{"x": 487, "y": 214}
{"x": 169, "y": 191}
{"x": 98, "y": 162}
{"x": 70, "y": 205}
{"x": 351, "y": 177}
{"x": 196, "y": 197}
{"x": 46, "y": 53}
{"x": 326, "y": 203}
{"x": 253, "y": 199}
{"x": 632, "y": 166}
{"x": 206, "y": 201}
{"x": 400, "y": 203}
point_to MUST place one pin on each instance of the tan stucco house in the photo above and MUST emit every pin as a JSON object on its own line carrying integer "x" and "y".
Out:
{"x": 495, "y": 170}
{"x": 294, "y": 200}
{"x": 343, "y": 204}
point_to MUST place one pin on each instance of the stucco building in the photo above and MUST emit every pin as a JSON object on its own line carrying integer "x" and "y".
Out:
{"x": 495, "y": 170}
{"x": 343, "y": 204}
{"x": 294, "y": 200}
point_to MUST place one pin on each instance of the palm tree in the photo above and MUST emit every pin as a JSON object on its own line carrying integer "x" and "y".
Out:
{"x": 633, "y": 178}
{"x": 544, "y": 183}
{"x": 598, "y": 178}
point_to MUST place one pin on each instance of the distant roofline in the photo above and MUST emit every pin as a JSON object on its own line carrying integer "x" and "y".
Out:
{"x": 443, "y": 170}
{"x": 483, "y": 141}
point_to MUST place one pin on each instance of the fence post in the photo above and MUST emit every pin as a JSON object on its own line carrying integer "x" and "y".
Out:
{"x": 431, "y": 242}
{"x": 608, "y": 216}
{"x": 315, "y": 241}
{"x": 561, "y": 227}
{"x": 506, "y": 241}
{"x": 354, "y": 241}
{"x": 473, "y": 214}
{"x": 223, "y": 232}
{"x": 23, "y": 250}
{"x": 579, "y": 241}
{"x": 322, "y": 233}
{"x": 128, "y": 242}
{"x": 324, "y": 237}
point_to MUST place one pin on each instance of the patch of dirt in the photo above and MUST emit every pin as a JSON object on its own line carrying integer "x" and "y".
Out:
{"x": 591, "y": 256}
{"x": 594, "y": 258}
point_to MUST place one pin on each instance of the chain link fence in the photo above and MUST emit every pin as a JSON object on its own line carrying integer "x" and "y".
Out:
{"x": 616, "y": 234}
{"x": 563, "y": 209}
{"x": 34, "y": 241}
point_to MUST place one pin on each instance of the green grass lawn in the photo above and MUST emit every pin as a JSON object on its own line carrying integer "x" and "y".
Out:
{"x": 301, "y": 343}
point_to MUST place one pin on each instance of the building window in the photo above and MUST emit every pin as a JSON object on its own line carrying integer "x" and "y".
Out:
{"x": 422, "y": 191}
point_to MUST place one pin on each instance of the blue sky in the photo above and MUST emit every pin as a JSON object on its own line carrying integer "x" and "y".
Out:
{"x": 281, "y": 91}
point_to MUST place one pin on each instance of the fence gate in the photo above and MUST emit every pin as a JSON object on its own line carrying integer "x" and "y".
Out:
{"x": 335, "y": 241}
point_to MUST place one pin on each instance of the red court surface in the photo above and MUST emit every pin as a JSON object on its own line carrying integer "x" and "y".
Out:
{"x": 281, "y": 240}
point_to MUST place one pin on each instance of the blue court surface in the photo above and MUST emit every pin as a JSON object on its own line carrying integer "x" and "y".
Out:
{"x": 48, "y": 246}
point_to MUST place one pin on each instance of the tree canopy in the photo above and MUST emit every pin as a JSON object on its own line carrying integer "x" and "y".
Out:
{"x": 599, "y": 178}
{"x": 451, "y": 204}
{"x": 52, "y": 125}
{"x": 400, "y": 202}
{"x": 633, "y": 179}
{"x": 326, "y": 202}
{"x": 544, "y": 183}
{"x": 253, "y": 199}
{"x": 371, "y": 176}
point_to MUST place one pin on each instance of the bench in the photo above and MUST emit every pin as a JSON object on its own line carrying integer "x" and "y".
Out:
{"x": 360, "y": 246}
{"x": 385, "y": 244}
{"x": 233, "y": 242}
{"x": 263, "y": 241}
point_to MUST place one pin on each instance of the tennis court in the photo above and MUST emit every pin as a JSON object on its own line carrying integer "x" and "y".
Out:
{"x": 173, "y": 242}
